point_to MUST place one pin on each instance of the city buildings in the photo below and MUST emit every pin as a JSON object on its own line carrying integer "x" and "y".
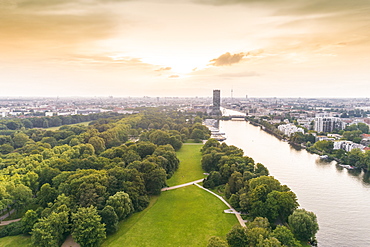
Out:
{"x": 328, "y": 124}
{"x": 289, "y": 129}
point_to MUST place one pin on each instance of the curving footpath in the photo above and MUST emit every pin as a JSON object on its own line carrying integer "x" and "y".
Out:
{"x": 237, "y": 214}
{"x": 4, "y": 223}
{"x": 182, "y": 185}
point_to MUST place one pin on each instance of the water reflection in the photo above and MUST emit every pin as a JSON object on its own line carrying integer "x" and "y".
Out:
{"x": 323, "y": 162}
{"x": 366, "y": 178}
{"x": 338, "y": 196}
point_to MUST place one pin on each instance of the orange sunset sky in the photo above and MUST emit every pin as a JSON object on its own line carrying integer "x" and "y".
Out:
{"x": 259, "y": 48}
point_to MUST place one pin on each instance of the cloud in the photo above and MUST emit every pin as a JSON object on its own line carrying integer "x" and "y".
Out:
{"x": 163, "y": 69}
{"x": 227, "y": 59}
{"x": 173, "y": 76}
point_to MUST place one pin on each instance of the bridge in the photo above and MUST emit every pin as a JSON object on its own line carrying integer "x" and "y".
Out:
{"x": 233, "y": 114}
{"x": 237, "y": 116}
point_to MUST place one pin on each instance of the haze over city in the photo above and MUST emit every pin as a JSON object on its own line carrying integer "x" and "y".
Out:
{"x": 282, "y": 48}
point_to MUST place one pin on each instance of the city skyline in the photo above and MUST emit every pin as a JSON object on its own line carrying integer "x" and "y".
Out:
{"x": 280, "y": 48}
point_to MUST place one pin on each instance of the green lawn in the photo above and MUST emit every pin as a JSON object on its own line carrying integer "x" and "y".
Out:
{"x": 18, "y": 241}
{"x": 57, "y": 128}
{"x": 190, "y": 168}
{"x": 187, "y": 216}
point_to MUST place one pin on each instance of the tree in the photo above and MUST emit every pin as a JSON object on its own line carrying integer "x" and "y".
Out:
{"x": 324, "y": 146}
{"x": 121, "y": 204}
{"x": 45, "y": 123}
{"x": 216, "y": 242}
{"x": 197, "y": 135}
{"x": 145, "y": 148}
{"x": 256, "y": 229}
{"x": 303, "y": 224}
{"x": 281, "y": 204}
{"x": 210, "y": 161}
{"x": 46, "y": 194}
{"x": 22, "y": 195}
{"x": 285, "y": 236}
{"x": 98, "y": 143}
{"x": 87, "y": 229}
{"x": 237, "y": 237}
{"x": 13, "y": 125}
{"x": 27, "y": 124}
{"x": 154, "y": 176}
{"x": 363, "y": 127}
{"x": 235, "y": 182}
{"x": 28, "y": 221}
{"x": 50, "y": 231}
{"x": 159, "y": 137}
{"x": 20, "y": 139}
{"x": 51, "y": 140}
{"x": 110, "y": 219}
{"x": 6, "y": 148}
{"x": 268, "y": 242}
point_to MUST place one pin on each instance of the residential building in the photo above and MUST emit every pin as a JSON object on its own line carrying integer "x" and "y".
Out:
{"x": 289, "y": 129}
{"x": 328, "y": 124}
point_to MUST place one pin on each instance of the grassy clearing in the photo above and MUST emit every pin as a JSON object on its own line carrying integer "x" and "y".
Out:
{"x": 19, "y": 241}
{"x": 187, "y": 216}
{"x": 57, "y": 128}
{"x": 190, "y": 168}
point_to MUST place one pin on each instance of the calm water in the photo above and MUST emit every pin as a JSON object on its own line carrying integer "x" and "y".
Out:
{"x": 340, "y": 198}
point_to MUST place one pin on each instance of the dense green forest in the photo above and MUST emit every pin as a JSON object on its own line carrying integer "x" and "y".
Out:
{"x": 270, "y": 207}
{"x": 82, "y": 179}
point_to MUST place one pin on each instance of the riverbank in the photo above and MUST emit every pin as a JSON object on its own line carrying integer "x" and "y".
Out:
{"x": 299, "y": 146}
{"x": 335, "y": 194}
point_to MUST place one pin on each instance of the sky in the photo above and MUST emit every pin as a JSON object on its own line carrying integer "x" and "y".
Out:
{"x": 259, "y": 48}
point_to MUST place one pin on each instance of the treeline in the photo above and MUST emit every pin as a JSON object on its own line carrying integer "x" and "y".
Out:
{"x": 269, "y": 128}
{"x": 249, "y": 188}
{"x": 82, "y": 180}
{"x": 355, "y": 157}
{"x": 8, "y": 125}
{"x": 353, "y": 133}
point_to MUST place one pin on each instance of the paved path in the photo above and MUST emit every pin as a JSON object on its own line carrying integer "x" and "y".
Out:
{"x": 4, "y": 223}
{"x": 237, "y": 214}
{"x": 182, "y": 185}
{"x": 7, "y": 214}
{"x": 70, "y": 242}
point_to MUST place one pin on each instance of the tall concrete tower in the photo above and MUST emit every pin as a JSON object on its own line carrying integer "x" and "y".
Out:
{"x": 216, "y": 102}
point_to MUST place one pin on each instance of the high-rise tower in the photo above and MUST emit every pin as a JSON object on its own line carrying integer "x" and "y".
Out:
{"x": 216, "y": 102}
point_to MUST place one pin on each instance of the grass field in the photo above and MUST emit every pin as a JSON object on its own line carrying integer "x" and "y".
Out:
{"x": 190, "y": 167}
{"x": 18, "y": 241}
{"x": 187, "y": 216}
{"x": 57, "y": 128}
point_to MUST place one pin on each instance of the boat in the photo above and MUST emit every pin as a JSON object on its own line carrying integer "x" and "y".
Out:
{"x": 348, "y": 167}
{"x": 216, "y": 134}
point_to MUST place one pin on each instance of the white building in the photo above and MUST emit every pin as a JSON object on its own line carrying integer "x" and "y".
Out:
{"x": 328, "y": 124}
{"x": 289, "y": 129}
{"x": 347, "y": 145}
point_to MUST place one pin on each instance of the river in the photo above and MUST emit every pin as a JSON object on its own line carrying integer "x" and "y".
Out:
{"x": 340, "y": 198}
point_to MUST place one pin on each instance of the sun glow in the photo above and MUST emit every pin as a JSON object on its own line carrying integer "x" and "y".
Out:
{"x": 183, "y": 64}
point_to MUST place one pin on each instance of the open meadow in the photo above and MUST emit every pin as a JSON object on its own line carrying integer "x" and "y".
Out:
{"x": 58, "y": 127}
{"x": 190, "y": 168}
{"x": 186, "y": 216}
{"x": 15, "y": 241}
